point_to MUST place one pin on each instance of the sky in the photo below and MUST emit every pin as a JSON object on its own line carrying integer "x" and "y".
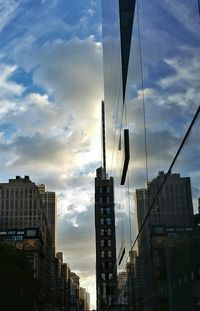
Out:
{"x": 51, "y": 88}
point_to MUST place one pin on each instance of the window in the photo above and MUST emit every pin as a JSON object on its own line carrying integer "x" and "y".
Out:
{"x": 101, "y": 232}
{"x": 107, "y": 210}
{"x": 102, "y": 242}
{"x": 31, "y": 232}
{"x": 108, "y": 221}
{"x": 109, "y": 254}
{"x": 102, "y": 254}
{"x": 103, "y": 275}
{"x": 109, "y": 242}
{"x": 109, "y": 231}
{"x": 108, "y": 189}
{"x": 100, "y": 200}
{"x": 100, "y": 189}
{"x": 107, "y": 199}
{"x": 101, "y": 210}
{"x": 101, "y": 221}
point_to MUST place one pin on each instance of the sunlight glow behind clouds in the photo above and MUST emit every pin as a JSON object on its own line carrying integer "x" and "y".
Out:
{"x": 50, "y": 123}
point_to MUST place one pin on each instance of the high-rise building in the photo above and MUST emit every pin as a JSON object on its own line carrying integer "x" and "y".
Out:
{"x": 65, "y": 272}
{"x": 50, "y": 206}
{"x": 21, "y": 204}
{"x": 84, "y": 300}
{"x": 105, "y": 232}
{"x": 74, "y": 291}
{"x": 22, "y": 210}
{"x": 105, "y": 240}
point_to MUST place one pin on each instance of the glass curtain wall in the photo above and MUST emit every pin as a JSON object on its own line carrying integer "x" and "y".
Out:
{"x": 153, "y": 151}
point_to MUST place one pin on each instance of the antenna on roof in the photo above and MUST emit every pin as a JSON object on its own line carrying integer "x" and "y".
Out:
{"x": 103, "y": 137}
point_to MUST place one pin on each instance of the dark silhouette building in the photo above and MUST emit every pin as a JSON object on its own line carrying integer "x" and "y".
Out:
{"x": 170, "y": 277}
{"x": 105, "y": 240}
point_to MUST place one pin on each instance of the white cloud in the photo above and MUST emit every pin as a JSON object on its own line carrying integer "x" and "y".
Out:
{"x": 8, "y": 88}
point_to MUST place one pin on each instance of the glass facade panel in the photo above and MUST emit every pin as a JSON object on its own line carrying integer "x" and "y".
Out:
{"x": 155, "y": 207}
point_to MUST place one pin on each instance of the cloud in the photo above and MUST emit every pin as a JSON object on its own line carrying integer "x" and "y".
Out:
{"x": 8, "y": 89}
{"x": 77, "y": 241}
{"x": 7, "y": 11}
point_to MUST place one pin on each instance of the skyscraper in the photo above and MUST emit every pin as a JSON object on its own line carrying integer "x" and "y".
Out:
{"x": 105, "y": 233}
{"x": 21, "y": 204}
{"x": 50, "y": 206}
{"x": 22, "y": 214}
{"x": 105, "y": 240}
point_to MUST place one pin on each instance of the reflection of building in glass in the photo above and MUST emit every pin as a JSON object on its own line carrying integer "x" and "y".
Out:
{"x": 105, "y": 239}
{"x": 170, "y": 267}
{"x": 145, "y": 125}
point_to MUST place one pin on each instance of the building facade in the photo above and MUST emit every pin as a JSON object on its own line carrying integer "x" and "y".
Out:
{"x": 21, "y": 209}
{"x": 105, "y": 240}
{"x": 49, "y": 201}
{"x": 151, "y": 123}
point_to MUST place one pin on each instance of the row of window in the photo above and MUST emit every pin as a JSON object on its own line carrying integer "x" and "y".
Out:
{"x": 105, "y": 232}
{"x": 19, "y": 223}
{"x": 105, "y": 243}
{"x": 104, "y": 189}
{"x": 106, "y": 265}
{"x": 21, "y": 213}
{"x": 16, "y": 204}
{"x": 105, "y": 254}
{"x": 104, "y": 200}
{"x": 17, "y": 193}
{"x": 15, "y": 218}
{"x": 105, "y": 221}
{"x": 106, "y": 276}
{"x": 105, "y": 210}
